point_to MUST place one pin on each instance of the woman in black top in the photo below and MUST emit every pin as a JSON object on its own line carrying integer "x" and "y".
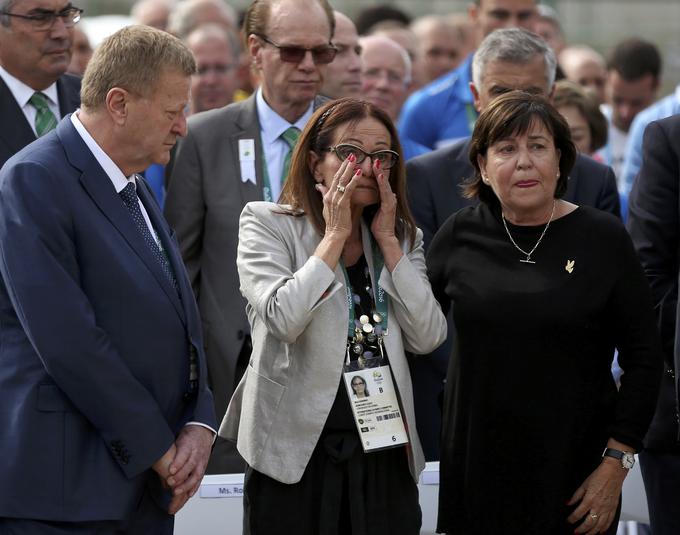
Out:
{"x": 542, "y": 291}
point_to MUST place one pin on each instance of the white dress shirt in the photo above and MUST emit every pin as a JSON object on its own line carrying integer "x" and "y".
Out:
{"x": 118, "y": 179}
{"x": 272, "y": 125}
{"x": 23, "y": 93}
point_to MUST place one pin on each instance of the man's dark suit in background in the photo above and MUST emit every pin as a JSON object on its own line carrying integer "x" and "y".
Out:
{"x": 654, "y": 224}
{"x": 16, "y": 132}
{"x": 34, "y": 55}
{"x": 218, "y": 168}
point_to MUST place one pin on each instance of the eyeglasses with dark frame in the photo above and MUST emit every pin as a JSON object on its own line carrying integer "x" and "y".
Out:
{"x": 321, "y": 55}
{"x": 387, "y": 158}
{"x": 42, "y": 20}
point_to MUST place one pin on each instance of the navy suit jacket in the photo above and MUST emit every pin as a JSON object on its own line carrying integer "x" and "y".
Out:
{"x": 434, "y": 181}
{"x": 654, "y": 225}
{"x": 95, "y": 342}
{"x": 16, "y": 133}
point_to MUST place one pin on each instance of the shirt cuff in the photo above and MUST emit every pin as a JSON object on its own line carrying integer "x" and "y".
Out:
{"x": 207, "y": 427}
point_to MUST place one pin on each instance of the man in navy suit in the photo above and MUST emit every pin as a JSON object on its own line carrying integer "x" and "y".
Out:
{"x": 36, "y": 37}
{"x": 506, "y": 59}
{"x": 654, "y": 225}
{"x": 107, "y": 421}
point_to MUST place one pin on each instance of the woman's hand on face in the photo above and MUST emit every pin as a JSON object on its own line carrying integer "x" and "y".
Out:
{"x": 383, "y": 224}
{"x": 336, "y": 199}
{"x": 599, "y": 495}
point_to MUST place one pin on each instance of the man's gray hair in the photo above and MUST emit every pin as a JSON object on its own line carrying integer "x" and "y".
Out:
{"x": 512, "y": 45}
{"x": 210, "y": 30}
{"x": 184, "y": 18}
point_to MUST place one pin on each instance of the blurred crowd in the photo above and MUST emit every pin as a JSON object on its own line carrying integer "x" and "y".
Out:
{"x": 255, "y": 81}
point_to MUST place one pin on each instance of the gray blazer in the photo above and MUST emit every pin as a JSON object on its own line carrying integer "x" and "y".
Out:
{"x": 205, "y": 198}
{"x": 297, "y": 310}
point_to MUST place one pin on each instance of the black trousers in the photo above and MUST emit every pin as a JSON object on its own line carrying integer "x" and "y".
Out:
{"x": 661, "y": 475}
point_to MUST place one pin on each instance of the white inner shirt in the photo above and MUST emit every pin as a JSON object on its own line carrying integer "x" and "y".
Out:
{"x": 23, "y": 93}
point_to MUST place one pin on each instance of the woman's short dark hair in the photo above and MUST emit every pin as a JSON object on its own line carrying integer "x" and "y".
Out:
{"x": 299, "y": 190}
{"x": 513, "y": 114}
{"x": 570, "y": 94}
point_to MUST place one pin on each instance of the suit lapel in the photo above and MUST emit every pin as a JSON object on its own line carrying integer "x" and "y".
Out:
{"x": 572, "y": 180}
{"x": 248, "y": 127}
{"x": 68, "y": 95}
{"x": 99, "y": 187}
{"x": 449, "y": 199}
{"x": 170, "y": 248}
{"x": 17, "y": 133}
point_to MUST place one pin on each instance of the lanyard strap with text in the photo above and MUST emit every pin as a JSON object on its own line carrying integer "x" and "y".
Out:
{"x": 379, "y": 295}
{"x": 266, "y": 188}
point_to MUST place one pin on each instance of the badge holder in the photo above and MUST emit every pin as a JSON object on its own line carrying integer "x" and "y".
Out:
{"x": 368, "y": 378}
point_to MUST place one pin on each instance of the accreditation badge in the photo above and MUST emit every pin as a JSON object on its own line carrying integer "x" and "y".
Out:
{"x": 375, "y": 407}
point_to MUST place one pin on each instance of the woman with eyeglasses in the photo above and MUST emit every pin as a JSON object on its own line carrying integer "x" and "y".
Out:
{"x": 334, "y": 276}
{"x": 359, "y": 389}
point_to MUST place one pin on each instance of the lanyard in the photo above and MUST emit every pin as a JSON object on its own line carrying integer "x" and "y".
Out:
{"x": 471, "y": 115}
{"x": 379, "y": 295}
{"x": 266, "y": 188}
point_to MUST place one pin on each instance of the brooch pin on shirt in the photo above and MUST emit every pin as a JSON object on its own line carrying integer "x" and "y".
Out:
{"x": 570, "y": 265}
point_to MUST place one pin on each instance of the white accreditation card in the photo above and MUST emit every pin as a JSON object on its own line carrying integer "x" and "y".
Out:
{"x": 246, "y": 157}
{"x": 376, "y": 408}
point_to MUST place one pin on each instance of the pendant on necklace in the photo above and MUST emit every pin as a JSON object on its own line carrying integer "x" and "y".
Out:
{"x": 527, "y": 261}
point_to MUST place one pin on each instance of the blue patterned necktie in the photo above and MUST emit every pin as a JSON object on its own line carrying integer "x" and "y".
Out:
{"x": 290, "y": 136}
{"x": 44, "y": 118}
{"x": 129, "y": 196}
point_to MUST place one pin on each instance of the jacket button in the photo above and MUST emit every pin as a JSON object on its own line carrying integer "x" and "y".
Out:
{"x": 240, "y": 334}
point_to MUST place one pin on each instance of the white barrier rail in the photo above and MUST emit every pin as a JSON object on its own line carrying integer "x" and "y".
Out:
{"x": 217, "y": 509}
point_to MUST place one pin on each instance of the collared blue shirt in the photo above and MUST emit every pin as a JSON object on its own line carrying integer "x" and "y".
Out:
{"x": 441, "y": 112}
{"x": 272, "y": 125}
{"x": 667, "y": 106}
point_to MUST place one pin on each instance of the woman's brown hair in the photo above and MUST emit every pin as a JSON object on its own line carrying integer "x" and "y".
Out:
{"x": 299, "y": 191}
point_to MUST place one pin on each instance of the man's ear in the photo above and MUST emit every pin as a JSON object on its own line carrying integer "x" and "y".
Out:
{"x": 255, "y": 50}
{"x": 475, "y": 97}
{"x": 117, "y": 101}
{"x": 473, "y": 12}
{"x": 551, "y": 94}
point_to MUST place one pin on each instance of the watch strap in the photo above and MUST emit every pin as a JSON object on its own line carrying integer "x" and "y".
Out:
{"x": 627, "y": 458}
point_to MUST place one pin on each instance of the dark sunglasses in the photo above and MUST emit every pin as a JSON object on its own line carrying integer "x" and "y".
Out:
{"x": 387, "y": 158}
{"x": 295, "y": 54}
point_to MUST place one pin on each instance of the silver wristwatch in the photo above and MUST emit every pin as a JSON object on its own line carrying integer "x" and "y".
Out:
{"x": 627, "y": 459}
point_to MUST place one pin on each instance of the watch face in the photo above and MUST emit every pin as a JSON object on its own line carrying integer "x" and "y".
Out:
{"x": 628, "y": 460}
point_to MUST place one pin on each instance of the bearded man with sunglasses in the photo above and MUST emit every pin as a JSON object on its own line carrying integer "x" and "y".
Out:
{"x": 36, "y": 37}
{"x": 237, "y": 154}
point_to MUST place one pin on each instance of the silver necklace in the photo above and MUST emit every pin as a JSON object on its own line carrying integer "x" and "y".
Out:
{"x": 528, "y": 259}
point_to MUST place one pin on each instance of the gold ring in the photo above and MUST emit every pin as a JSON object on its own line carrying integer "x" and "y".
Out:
{"x": 341, "y": 188}
{"x": 593, "y": 516}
